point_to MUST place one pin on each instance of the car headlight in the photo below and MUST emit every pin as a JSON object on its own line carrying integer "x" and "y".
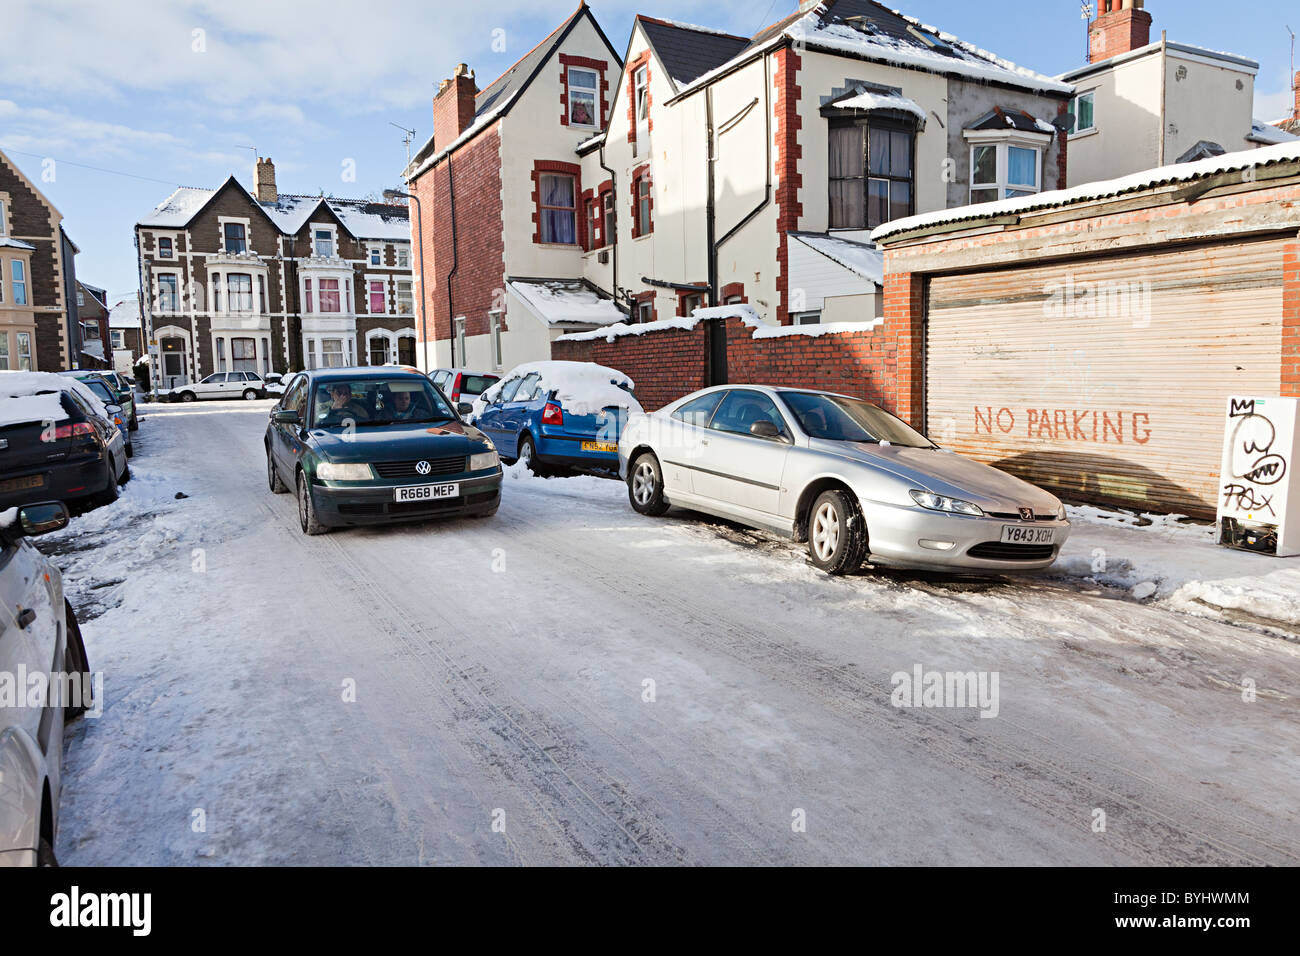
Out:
{"x": 344, "y": 471}
{"x": 483, "y": 460}
{"x": 955, "y": 506}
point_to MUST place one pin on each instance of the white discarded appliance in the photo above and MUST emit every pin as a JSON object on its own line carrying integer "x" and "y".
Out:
{"x": 1259, "y": 492}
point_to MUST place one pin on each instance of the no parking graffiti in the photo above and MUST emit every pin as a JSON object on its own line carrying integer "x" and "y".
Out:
{"x": 1066, "y": 424}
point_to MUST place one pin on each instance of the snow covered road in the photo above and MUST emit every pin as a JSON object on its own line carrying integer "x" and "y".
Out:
{"x": 503, "y": 713}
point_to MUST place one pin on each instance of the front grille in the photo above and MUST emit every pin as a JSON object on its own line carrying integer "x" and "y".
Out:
{"x": 1016, "y": 517}
{"x": 434, "y": 506}
{"x": 996, "y": 551}
{"x": 406, "y": 469}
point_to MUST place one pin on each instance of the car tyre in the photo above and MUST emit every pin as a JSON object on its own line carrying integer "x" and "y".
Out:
{"x": 74, "y": 661}
{"x": 307, "y": 508}
{"x": 278, "y": 487}
{"x": 126, "y": 475}
{"x": 528, "y": 455}
{"x": 130, "y": 449}
{"x": 837, "y": 533}
{"x": 188, "y": 397}
{"x": 134, "y": 425}
{"x": 110, "y": 493}
{"x": 250, "y": 395}
{"x": 645, "y": 485}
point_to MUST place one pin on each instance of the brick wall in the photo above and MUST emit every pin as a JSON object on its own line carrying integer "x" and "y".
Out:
{"x": 789, "y": 179}
{"x": 668, "y": 363}
{"x": 475, "y": 171}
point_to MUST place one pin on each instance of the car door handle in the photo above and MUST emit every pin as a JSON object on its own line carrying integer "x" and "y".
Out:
{"x": 25, "y": 618}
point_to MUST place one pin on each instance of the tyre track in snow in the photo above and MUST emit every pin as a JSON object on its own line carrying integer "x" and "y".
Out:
{"x": 1174, "y": 827}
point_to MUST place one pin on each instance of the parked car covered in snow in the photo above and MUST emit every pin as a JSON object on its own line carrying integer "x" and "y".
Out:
{"x": 374, "y": 446}
{"x": 463, "y": 384}
{"x": 38, "y": 636}
{"x": 123, "y": 390}
{"x": 57, "y": 440}
{"x": 107, "y": 393}
{"x": 227, "y": 385}
{"x": 558, "y": 414}
{"x": 846, "y": 476}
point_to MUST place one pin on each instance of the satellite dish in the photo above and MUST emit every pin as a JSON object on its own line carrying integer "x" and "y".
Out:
{"x": 1064, "y": 122}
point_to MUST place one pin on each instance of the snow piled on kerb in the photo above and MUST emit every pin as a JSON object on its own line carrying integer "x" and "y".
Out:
{"x": 1168, "y": 559}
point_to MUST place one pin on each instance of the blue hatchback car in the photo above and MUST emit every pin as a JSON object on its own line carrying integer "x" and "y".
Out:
{"x": 557, "y": 415}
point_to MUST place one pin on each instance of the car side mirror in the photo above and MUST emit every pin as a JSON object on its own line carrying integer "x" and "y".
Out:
{"x": 285, "y": 416}
{"x": 764, "y": 429}
{"x": 113, "y": 409}
{"x": 465, "y": 408}
{"x": 42, "y": 518}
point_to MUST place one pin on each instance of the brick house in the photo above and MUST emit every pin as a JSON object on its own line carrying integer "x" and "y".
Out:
{"x": 751, "y": 169}
{"x": 125, "y": 334}
{"x": 37, "y": 276}
{"x": 499, "y": 185}
{"x": 233, "y": 281}
{"x": 92, "y": 340}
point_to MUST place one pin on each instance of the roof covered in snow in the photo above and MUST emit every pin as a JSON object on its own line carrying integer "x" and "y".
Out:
{"x": 861, "y": 258}
{"x": 1268, "y": 134}
{"x": 494, "y": 101}
{"x": 9, "y": 242}
{"x": 362, "y": 218}
{"x": 999, "y": 119}
{"x": 1163, "y": 176}
{"x": 866, "y": 30}
{"x": 565, "y": 302}
{"x": 862, "y": 99}
{"x": 125, "y": 313}
{"x": 688, "y": 51}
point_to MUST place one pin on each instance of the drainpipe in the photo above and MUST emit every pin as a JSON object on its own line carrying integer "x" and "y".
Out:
{"x": 710, "y": 207}
{"x": 767, "y": 192}
{"x": 613, "y": 190}
{"x": 455, "y": 264}
{"x": 1164, "y": 92}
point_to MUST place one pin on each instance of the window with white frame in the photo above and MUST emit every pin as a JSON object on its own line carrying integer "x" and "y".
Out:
{"x": 221, "y": 354}
{"x": 1004, "y": 170}
{"x": 322, "y": 241}
{"x": 641, "y": 94}
{"x": 4, "y": 350}
{"x": 24, "y": 343}
{"x": 119, "y": 340}
{"x": 243, "y": 354}
{"x": 405, "y": 298}
{"x": 377, "y": 296}
{"x": 807, "y": 318}
{"x": 558, "y": 208}
{"x": 235, "y": 236}
{"x": 81, "y": 299}
{"x": 645, "y": 310}
{"x": 239, "y": 292}
{"x": 4, "y": 229}
{"x": 582, "y": 97}
{"x": 165, "y": 250}
{"x": 332, "y": 353}
{"x": 18, "y": 281}
{"x": 403, "y": 256}
{"x": 1085, "y": 117}
{"x": 329, "y": 296}
{"x": 308, "y": 304}
{"x": 376, "y": 255}
{"x": 377, "y": 348}
{"x": 169, "y": 292}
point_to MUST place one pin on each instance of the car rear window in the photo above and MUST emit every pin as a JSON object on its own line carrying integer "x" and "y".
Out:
{"x": 477, "y": 384}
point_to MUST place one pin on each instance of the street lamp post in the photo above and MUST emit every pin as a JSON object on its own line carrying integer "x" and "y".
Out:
{"x": 419, "y": 252}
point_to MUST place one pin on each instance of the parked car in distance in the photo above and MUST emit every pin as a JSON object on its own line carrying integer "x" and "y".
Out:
{"x": 39, "y": 635}
{"x": 125, "y": 389}
{"x": 275, "y": 382}
{"x": 462, "y": 384}
{"x": 227, "y": 385}
{"x": 558, "y": 415}
{"x": 375, "y": 445}
{"x": 844, "y": 475}
{"x": 107, "y": 393}
{"x": 56, "y": 441}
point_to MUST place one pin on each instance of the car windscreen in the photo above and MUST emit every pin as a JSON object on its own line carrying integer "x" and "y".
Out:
{"x": 343, "y": 403}
{"x": 835, "y": 418}
{"x": 101, "y": 392}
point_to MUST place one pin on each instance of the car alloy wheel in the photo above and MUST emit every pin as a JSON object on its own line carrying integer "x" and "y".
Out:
{"x": 307, "y": 510}
{"x": 187, "y": 396}
{"x": 644, "y": 482}
{"x": 645, "y": 486}
{"x": 249, "y": 395}
{"x": 826, "y": 531}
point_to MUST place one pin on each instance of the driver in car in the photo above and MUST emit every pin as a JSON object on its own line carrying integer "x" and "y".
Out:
{"x": 341, "y": 409}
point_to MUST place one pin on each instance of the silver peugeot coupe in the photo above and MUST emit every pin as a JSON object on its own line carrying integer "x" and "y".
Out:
{"x": 846, "y": 476}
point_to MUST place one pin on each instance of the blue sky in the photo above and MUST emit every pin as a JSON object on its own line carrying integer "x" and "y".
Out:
{"x": 131, "y": 87}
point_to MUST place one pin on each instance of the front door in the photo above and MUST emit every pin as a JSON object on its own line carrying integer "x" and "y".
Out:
{"x": 173, "y": 362}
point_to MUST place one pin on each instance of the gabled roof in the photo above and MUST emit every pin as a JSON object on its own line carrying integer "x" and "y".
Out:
{"x": 866, "y": 30}
{"x": 861, "y": 258}
{"x": 1270, "y": 134}
{"x": 125, "y": 314}
{"x": 565, "y": 303}
{"x": 687, "y": 51}
{"x": 1000, "y": 120}
{"x": 495, "y": 100}
{"x": 361, "y": 218}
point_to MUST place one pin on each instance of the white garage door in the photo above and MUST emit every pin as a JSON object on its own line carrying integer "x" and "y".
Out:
{"x": 1106, "y": 378}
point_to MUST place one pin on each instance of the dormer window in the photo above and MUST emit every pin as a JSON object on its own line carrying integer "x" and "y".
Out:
{"x": 236, "y": 238}
{"x": 323, "y": 242}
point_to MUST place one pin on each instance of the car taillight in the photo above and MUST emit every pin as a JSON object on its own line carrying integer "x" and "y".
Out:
{"x": 455, "y": 389}
{"x": 552, "y": 414}
{"x": 70, "y": 431}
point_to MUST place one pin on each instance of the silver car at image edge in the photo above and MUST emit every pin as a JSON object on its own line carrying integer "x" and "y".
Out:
{"x": 855, "y": 482}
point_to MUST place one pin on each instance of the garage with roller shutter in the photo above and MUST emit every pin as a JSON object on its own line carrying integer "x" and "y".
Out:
{"x": 1090, "y": 345}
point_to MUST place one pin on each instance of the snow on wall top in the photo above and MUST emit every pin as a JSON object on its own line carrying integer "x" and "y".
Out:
{"x": 1164, "y": 175}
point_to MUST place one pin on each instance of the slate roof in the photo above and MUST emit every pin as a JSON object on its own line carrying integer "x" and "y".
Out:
{"x": 688, "y": 51}
{"x": 1004, "y": 119}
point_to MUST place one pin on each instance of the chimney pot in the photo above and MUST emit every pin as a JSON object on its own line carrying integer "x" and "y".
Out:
{"x": 1121, "y": 26}
{"x": 453, "y": 107}
{"x": 264, "y": 181}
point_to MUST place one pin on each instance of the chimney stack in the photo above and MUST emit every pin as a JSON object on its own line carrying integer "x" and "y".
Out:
{"x": 264, "y": 181}
{"x": 453, "y": 107}
{"x": 1121, "y": 26}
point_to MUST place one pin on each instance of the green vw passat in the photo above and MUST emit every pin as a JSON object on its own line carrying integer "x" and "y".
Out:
{"x": 365, "y": 446}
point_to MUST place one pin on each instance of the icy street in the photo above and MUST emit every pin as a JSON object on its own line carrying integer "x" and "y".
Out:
{"x": 569, "y": 682}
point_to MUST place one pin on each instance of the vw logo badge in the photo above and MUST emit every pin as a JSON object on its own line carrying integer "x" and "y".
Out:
{"x": 423, "y": 467}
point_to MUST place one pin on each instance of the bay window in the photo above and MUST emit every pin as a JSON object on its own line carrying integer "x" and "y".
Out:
{"x": 582, "y": 97}
{"x": 221, "y": 354}
{"x": 18, "y": 281}
{"x": 243, "y": 354}
{"x": 871, "y": 173}
{"x": 239, "y": 292}
{"x": 558, "y": 209}
{"x": 24, "y": 342}
{"x": 329, "y": 295}
{"x": 4, "y": 350}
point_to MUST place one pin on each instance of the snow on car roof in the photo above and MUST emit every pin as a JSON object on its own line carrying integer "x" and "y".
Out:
{"x": 583, "y": 388}
{"x": 34, "y": 397}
